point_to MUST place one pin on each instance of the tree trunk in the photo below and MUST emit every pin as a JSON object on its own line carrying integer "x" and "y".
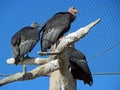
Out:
{"x": 62, "y": 79}
{"x": 60, "y": 82}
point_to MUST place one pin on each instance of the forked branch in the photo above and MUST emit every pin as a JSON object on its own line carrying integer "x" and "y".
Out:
{"x": 37, "y": 72}
{"x": 52, "y": 65}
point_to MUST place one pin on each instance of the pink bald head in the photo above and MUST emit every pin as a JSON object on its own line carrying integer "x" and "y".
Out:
{"x": 72, "y": 10}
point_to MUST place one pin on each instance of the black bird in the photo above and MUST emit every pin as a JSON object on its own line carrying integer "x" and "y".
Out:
{"x": 24, "y": 41}
{"x": 79, "y": 67}
{"x": 56, "y": 27}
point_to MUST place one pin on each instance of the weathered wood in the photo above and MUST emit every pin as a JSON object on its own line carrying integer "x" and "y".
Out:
{"x": 60, "y": 79}
{"x": 29, "y": 61}
{"x": 37, "y": 72}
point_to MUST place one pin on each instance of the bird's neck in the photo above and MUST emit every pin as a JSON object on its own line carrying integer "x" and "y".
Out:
{"x": 72, "y": 13}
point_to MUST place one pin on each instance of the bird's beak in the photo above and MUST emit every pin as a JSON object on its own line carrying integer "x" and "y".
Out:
{"x": 76, "y": 10}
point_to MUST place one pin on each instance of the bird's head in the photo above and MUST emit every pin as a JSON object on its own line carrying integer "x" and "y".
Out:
{"x": 73, "y": 10}
{"x": 35, "y": 25}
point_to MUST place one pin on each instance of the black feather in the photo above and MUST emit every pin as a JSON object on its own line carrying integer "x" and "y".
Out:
{"x": 23, "y": 42}
{"x": 54, "y": 28}
{"x": 79, "y": 66}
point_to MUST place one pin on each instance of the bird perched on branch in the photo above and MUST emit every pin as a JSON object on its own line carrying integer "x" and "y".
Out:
{"x": 24, "y": 41}
{"x": 79, "y": 67}
{"x": 56, "y": 27}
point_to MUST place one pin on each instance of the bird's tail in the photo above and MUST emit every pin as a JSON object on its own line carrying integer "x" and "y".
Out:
{"x": 88, "y": 80}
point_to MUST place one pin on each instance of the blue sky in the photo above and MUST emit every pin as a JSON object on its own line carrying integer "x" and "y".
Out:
{"x": 15, "y": 14}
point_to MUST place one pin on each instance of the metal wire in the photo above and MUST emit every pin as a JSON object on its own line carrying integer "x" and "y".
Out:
{"x": 104, "y": 51}
{"x": 97, "y": 73}
{"x": 96, "y": 55}
{"x": 5, "y": 75}
{"x": 106, "y": 73}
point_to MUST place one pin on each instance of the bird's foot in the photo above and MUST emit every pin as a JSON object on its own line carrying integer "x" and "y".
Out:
{"x": 27, "y": 56}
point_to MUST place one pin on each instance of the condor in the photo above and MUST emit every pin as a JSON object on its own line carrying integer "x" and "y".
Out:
{"x": 56, "y": 27}
{"x": 24, "y": 41}
{"x": 79, "y": 66}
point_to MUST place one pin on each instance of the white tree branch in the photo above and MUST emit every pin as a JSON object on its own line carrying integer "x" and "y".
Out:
{"x": 30, "y": 61}
{"x": 48, "y": 53}
{"x": 71, "y": 38}
{"x": 50, "y": 66}
{"x": 65, "y": 42}
{"x": 64, "y": 79}
{"x": 75, "y": 36}
{"x": 39, "y": 71}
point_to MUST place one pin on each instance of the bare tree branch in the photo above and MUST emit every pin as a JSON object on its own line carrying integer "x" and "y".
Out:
{"x": 48, "y": 53}
{"x": 30, "y": 61}
{"x": 39, "y": 71}
{"x": 64, "y": 79}
{"x": 52, "y": 65}
{"x": 71, "y": 38}
{"x": 75, "y": 36}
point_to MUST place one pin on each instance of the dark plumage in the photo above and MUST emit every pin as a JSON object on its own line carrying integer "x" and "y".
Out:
{"x": 24, "y": 41}
{"x": 79, "y": 67}
{"x": 56, "y": 27}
